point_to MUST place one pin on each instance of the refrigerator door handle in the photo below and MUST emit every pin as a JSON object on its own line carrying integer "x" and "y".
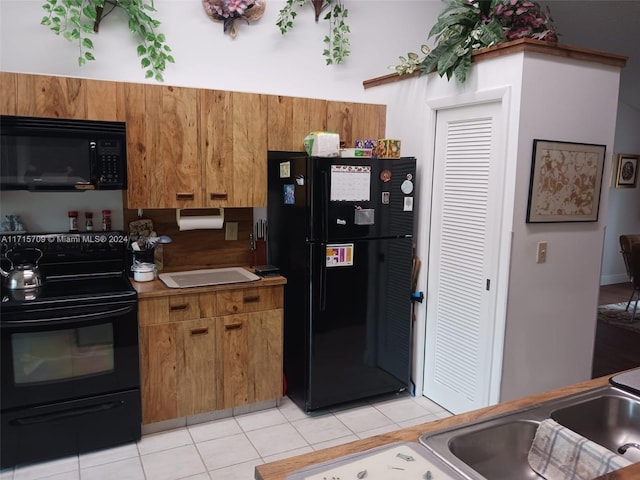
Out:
{"x": 324, "y": 220}
{"x": 323, "y": 283}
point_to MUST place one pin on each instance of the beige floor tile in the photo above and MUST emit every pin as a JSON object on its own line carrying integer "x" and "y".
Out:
{"x": 276, "y": 439}
{"x": 321, "y": 429}
{"x": 127, "y": 469}
{"x": 173, "y": 464}
{"x": 227, "y": 451}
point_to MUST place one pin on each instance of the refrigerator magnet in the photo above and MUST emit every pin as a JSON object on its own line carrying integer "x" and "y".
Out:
{"x": 339, "y": 255}
{"x": 407, "y": 187}
{"x": 289, "y": 194}
{"x": 285, "y": 169}
{"x": 408, "y": 204}
{"x": 385, "y": 175}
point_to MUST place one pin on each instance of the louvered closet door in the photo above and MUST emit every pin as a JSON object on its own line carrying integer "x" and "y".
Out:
{"x": 463, "y": 256}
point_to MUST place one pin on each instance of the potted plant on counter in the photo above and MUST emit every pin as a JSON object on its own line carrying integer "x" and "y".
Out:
{"x": 78, "y": 20}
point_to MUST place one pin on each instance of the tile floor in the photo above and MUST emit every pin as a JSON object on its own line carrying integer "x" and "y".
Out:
{"x": 230, "y": 448}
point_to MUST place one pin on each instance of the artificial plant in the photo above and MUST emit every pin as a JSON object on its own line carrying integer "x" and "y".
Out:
{"x": 467, "y": 25}
{"x": 337, "y": 42}
{"x": 78, "y": 20}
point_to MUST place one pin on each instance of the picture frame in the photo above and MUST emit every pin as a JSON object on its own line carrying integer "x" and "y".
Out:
{"x": 627, "y": 170}
{"x": 566, "y": 182}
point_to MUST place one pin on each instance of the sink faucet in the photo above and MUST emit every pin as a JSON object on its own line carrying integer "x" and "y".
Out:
{"x": 623, "y": 448}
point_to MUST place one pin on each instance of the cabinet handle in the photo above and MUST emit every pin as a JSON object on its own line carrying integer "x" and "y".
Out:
{"x": 233, "y": 326}
{"x": 251, "y": 299}
{"x": 175, "y": 308}
{"x": 185, "y": 196}
{"x": 218, "y": 196}
{"x": 200, "y": 331}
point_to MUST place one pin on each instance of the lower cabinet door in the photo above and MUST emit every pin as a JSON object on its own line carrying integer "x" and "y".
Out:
{"x": 250, "y": 353}
{"x": 233, "y": 344}
{"x": 158, "y": 361}
{"x": 196, "y": 365}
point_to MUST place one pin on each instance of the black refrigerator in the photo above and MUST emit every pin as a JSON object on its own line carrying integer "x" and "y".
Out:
{"x": 341, "y": 231}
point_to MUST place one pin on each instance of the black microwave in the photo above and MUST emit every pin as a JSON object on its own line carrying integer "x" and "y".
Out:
{"x": 62, "y": 154}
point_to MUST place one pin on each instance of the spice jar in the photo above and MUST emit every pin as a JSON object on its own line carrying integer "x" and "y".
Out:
{"x": 89, "y": 221}
{"x": 106, "y": 220}
{"x": 73, "y": 220}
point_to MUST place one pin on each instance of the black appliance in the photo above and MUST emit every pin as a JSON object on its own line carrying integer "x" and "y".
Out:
{"x": 62, "y": 154}
{"x": 70, "y": 372}
{"x": 341, "y": 232}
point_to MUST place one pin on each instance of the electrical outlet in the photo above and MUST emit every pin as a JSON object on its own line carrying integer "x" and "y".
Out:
{"x": 231, "y": 231}
{"x": 541, "y": 252}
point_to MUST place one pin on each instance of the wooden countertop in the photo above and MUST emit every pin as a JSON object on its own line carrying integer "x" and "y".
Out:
{"x": 156, "y": 288}
{"x": 280, "y": 469}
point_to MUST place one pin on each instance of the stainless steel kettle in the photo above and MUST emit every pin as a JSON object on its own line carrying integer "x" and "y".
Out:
{"x": 23, "y": 276}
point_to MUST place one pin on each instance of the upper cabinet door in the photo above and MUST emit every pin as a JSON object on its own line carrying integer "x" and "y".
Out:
{"x": 163, "y": 163}
{"x": 233, "y": 146}
{"x": 354, "y": 121}
{"x": 291, "y": 119}
{"x": 105, "y": 101}
{"x": 45, "y": 96}
{"x": 8, "y": 90}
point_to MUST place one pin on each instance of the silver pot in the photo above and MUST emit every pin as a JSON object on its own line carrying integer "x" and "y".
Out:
{"x": 23, "y": 276}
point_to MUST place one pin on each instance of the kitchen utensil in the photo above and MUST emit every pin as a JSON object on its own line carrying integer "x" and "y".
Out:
{"x": 24, "y": 275}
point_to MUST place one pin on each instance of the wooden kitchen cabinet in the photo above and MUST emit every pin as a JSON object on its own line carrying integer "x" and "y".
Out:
{"x": 196, "y": 367}
{"x": 250, "y": 353}
{"x": 61, "y": 97}
{"x": 233, "y": 147}
{"x": 8, "y": 90}
{"x": 163, "y": 162}
{"x": 353, "y": 121}
{"x": 210, "y": 351}
{"x": 291, "y": 119}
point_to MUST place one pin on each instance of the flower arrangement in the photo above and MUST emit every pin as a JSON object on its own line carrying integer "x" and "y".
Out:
{"x": 337, "y": 42}
{"x": 228, "y": 11}
{"x": 468, "y": 25}
{"x": 77, "y": 20}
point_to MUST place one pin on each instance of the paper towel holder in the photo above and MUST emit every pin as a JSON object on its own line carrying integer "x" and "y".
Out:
{"x": 183, "y": 213}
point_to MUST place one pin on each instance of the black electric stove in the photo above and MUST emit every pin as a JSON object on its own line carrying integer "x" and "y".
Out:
{"x": 70, "y": 356}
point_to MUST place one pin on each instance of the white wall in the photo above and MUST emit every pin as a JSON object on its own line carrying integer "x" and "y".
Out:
{"x": 551, "y": 315}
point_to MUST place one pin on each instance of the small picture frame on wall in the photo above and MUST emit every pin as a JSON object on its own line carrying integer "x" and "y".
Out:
{"x": 566, "y": 178}
{"x": 627, "y": 171}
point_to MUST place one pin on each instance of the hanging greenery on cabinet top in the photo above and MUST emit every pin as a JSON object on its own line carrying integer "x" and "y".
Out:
{"x": 79, "y": 20}
{"x": 337, "y": 41}
{"x": 467, "y": 25}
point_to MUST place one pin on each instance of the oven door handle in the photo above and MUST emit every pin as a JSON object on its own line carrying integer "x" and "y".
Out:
{"x": 51, "y": 417}
{"x": 74, "y": 318}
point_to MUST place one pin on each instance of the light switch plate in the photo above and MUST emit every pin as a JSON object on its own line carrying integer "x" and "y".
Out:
{"x": 541, "y": 252}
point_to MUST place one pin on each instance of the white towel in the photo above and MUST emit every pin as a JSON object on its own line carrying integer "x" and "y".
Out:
{"x": 558, "y": 453}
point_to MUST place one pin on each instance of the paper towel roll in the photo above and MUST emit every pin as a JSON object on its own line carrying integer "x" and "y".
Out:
{"x": 200, "y": 222}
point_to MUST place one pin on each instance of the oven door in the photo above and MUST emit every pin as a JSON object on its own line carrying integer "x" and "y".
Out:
{"x": 58, "y": 354}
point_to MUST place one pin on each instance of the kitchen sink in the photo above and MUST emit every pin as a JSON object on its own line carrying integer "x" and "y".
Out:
{"x": 498, "y": 451}
{"x": 609, "y": 420}
{"x": 496, "y": 448}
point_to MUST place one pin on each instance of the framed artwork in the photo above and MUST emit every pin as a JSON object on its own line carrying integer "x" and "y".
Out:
{"x": 627, "y": 171}
{"x": 566, "y": 179}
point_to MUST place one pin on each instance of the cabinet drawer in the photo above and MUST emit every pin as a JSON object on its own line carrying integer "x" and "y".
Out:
{"x": 184, "y": 307}
{"x": 248, "y": 300}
